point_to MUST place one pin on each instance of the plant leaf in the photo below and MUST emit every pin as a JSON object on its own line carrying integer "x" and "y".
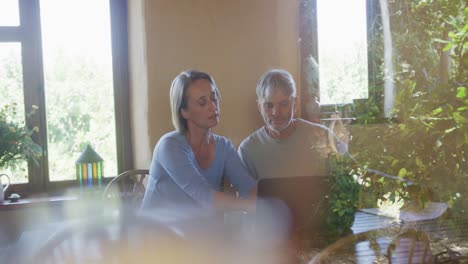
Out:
{"x": 441, "y": 40}
{"x": 461, "y": 92}
{"x": 452, "y": 35}
{"x": 402, "y": 173}
{"x": 459, "y": 118}
{"x": 437, "y": 111}
{"x": 447, "y": 47}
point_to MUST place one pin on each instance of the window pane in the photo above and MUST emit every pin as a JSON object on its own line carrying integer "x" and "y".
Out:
{"x": 11, "y": 85}
{"x": 9, "y": 13}
{"x": 78, "y": 84}
{"x": 342, "y": 46}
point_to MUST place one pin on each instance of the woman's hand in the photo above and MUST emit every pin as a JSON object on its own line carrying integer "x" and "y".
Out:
{"x": 229, "y": 202}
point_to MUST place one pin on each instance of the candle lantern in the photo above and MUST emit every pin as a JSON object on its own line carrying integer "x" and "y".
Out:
{"x": 89, "y": 168}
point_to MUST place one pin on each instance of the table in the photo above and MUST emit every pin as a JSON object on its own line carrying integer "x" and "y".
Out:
{"x": 378, "y": 239}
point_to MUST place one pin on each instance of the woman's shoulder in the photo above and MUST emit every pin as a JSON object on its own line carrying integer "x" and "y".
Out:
{"x": 222, "y": 142}
{"x": 220, "y": 139}
{"x": 172, "y": 138}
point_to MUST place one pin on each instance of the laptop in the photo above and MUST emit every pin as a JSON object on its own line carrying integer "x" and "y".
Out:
{"x": 291, "y": 203}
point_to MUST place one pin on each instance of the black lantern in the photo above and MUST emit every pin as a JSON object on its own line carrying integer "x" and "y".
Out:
{"x": 89, "y": 168}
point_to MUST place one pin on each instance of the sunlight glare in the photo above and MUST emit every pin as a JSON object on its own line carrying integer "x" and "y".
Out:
{"x": 70, "y": 34}
{"x": 342, "y": 46}
{"x": 9, "y": 13}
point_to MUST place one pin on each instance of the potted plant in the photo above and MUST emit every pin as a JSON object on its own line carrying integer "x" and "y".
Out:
{"x": 16, "y": 144}
{"x": 341, "y": 199}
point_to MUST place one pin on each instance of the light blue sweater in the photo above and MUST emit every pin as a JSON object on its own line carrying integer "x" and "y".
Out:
{"x": 177, "y": 179}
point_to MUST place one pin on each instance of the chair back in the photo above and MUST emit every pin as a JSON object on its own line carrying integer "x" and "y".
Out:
{"x": 128, "y": 187}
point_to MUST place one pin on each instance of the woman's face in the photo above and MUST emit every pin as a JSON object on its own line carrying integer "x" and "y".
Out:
{"x": 202, "y": 105}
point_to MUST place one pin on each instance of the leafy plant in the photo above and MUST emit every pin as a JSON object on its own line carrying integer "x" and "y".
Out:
{"x": 16, "y": 144}
{"x": 333, "y": 217}
{"x": 426, "y": 141}
{"x": 342, "y": 201}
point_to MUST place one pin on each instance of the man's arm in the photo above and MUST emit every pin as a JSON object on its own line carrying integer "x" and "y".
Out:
{"x": 248, "y": 162}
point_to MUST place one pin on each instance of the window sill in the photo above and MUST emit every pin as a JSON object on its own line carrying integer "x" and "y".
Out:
{"x": 54, "y": 189}
{"x": 35, "y": 202}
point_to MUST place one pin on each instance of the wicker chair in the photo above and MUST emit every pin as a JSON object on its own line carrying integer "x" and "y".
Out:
{"x": 128, "y": 187}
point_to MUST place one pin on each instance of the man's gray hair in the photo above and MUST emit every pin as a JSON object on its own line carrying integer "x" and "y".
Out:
{"x": 273, "y": 80}
{"x": 178, "y": 95}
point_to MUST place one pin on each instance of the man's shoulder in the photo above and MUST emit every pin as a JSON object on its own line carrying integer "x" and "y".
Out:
{"x": 253, "y": 139}
{"x": 305, "y": 124}
{"x": 324, "y": 133}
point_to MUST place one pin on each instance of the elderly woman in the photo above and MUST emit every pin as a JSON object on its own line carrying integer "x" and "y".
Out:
{"x": 189, "y": 163}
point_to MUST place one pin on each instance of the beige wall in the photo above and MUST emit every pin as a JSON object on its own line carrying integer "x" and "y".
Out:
{"x": 234, "y": 40}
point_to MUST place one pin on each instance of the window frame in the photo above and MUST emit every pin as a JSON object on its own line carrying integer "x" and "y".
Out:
{"x": 28, "y": 34}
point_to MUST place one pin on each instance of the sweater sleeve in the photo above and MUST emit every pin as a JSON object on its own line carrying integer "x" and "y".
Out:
{"x": 236, "y": 171}
{"x": 247, "y": 161}
{"x": 176, "y": 158}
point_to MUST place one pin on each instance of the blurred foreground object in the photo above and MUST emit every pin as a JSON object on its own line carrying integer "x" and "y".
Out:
{"x": 170, "y": 235}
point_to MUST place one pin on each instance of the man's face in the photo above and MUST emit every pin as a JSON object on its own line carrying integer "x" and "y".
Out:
{"x": 277, "y": 109}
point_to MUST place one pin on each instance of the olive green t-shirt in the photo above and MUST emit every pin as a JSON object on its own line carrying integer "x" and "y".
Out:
{"x": 301, "y": 154}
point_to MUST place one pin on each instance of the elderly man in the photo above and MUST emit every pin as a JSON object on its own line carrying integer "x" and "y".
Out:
{"x": 285, "y": 146}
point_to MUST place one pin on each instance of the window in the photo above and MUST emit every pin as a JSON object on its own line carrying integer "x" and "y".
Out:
{"x": 335, "y": 51}
{"x": 342, "y": 51}
{"x": 68, "y": 58}
{"x": 78, "y": 83}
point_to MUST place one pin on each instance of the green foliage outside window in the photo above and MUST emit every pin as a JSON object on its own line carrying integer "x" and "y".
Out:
{"x": 79, "y": 105}
{"x": 426, "y": 141}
